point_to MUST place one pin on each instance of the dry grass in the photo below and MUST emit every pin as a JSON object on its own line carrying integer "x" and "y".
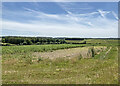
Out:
{"x": 84, "y": 52}
{"x": 30, "y": 68}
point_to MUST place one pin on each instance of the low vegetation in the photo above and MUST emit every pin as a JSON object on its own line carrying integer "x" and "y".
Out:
{"x": 95, "y": 62}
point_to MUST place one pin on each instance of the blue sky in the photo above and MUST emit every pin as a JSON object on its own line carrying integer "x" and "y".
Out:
{"x": 60, "y": 19}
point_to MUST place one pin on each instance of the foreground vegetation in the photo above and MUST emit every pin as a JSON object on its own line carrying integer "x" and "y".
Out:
{"x": 36, "y": 48}
{"x": 102, "y": 68}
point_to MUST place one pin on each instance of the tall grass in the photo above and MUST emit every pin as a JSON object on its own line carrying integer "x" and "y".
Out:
{"x": 91, "y": 52}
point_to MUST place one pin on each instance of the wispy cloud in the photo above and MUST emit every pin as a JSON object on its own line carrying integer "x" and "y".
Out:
{"x": 115, "y": 15}
{"x": 103, "y": 13}
{"x": 41, "y": 14}
{"x": 76, "y": 25}
{"x": 91, "y": 24}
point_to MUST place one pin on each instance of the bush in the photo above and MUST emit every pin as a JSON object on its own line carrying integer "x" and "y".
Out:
{"x": 39, "y": 59}
{"x": 24, "y": 43}
{"x": 84, "y": 42}
{"x": 38, "y": 43}
{"x": 29, "y": 42}
{"x": 91, "y": 52}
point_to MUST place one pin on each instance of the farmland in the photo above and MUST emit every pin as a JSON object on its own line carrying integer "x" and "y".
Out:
{"x": 95, "y": 62}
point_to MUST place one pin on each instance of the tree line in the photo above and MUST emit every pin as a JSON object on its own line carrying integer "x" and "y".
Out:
{"x": 74, "y": 39}
{"x": 31, "y": 40}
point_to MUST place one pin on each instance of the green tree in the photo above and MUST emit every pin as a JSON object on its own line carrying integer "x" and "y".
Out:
{"x": 24, "y": 43}
{"x": 29, "y": 42}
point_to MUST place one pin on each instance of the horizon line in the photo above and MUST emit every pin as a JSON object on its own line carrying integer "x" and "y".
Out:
{"x": 54, "y": 36}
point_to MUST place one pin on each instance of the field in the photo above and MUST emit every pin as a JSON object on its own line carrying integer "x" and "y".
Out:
{"x": 95, "y": 62}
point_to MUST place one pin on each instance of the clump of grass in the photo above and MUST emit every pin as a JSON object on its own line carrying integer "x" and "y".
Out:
{"x": 75, "y": 59}
{"x": 91, "y": 52}
{"x": 39, "y": 59}
{"x": 80, "y": 57}
{"x": 28, "y": 59}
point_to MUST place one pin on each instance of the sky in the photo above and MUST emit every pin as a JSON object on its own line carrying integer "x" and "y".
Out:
{"x": 60, "y": 19}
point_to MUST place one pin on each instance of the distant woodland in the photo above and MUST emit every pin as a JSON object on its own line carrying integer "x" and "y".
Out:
{"x": 18, "y": 40}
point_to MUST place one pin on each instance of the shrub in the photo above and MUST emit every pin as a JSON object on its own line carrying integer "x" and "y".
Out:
{"x": 91, "y": 52}
{"x": 38, "y": 43}
{"x": 39, "y": 59}
{"x": 24, "y": 43}
{"x": 84, "y": 42}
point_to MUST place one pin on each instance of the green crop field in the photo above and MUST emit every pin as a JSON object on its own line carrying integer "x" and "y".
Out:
{"x": 95, "y": 62}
